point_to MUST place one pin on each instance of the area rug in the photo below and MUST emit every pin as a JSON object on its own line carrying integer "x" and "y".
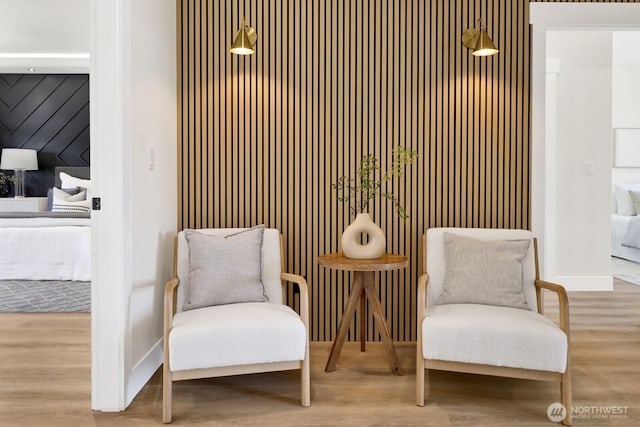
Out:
{"x": 47, "y": 296}
{"x": 623, "y": 269}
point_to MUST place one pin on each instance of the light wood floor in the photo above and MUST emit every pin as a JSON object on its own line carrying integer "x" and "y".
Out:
{"x": 45, "y": 380}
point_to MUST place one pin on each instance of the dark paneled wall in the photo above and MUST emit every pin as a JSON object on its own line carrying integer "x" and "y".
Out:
{"x": 263, "y": 137}
{"x": 48, "y": 113}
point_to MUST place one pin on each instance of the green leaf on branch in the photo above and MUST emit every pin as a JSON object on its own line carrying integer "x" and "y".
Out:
{"x": 367, "y": 186}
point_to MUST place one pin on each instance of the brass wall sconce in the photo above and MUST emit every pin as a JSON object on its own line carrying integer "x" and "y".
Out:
{"x": 244, "y": 40}
{"x": 479, "y": 41}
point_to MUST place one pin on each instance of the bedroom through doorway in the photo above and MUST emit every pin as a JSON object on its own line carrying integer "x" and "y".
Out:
{"x": 625, "y": 172}
{"x": 45, "y": 258}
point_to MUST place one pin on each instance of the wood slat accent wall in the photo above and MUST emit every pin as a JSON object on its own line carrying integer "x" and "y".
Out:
{"x": 263, "y": 137}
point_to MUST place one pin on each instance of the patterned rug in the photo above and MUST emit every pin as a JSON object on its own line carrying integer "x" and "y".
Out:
{"x": 623, "y": 269}
{"x": 34, "y": 296}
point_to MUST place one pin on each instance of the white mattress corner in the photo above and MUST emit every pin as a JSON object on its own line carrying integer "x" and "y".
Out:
{"x": 40, "y": 252}
{"x": 44, "y": 222}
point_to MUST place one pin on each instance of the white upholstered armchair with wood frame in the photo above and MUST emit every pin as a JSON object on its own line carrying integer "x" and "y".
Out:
{"x": 257, "y": 334}
{"x": 497, "y": 330}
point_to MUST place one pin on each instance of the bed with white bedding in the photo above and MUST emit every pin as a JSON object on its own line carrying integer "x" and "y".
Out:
{"x": 49, "y": 245}
{"x": 619, "y": 227}
{"x": 625, "y": 219}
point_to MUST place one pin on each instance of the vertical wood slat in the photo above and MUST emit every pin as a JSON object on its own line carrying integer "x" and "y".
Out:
{"x": 262, "y": 138}
{"x": 180, "y": 53}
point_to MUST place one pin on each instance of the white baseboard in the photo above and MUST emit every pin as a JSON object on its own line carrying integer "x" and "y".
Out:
{"x": 144, "y": 370}
{"x": 585, "y": 283}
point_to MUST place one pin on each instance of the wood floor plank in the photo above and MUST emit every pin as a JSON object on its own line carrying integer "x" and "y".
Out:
{"x": 45, "y": 380}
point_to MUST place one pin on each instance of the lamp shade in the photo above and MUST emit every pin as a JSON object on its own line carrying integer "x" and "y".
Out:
{"x": 19, "y": 158}
{"x": 479, "y": 41}
{"x": 244, "y": 40}
{"x": 484, "y": 46}
{"x": 242, "y": 45}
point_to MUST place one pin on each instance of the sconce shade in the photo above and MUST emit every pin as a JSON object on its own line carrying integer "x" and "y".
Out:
{"x": 484, "y": 46}
{"x": 479, "y": 41}
{"x": 19, "y": 158}
{"x": 244, "y": 40}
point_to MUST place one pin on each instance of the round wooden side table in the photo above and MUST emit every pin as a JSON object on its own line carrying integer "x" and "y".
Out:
{"x": 363, "y": 289}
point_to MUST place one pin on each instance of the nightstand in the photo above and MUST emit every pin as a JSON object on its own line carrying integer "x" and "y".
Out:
{"x": 25, "y": 204}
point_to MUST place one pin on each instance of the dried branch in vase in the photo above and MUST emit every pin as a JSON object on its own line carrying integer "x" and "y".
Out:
{"x": 368, "y": 185}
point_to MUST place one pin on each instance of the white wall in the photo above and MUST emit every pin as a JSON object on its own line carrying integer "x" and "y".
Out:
{"x": 583, "y": 153}
{"x": 626, "y": 79}
{"x": 154, "y": 197}
{"x": 133, "y": 111}
{"x": 626, "y": 92}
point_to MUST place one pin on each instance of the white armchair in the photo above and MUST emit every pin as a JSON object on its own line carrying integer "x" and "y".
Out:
{"x": 234, "y": 339}
{"x": 489, "y": 339}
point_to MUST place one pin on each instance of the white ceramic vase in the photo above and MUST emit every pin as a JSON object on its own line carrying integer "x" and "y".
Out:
{"x": 351, "y": 247}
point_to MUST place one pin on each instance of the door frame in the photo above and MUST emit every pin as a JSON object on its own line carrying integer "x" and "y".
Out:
{"x": 545, "y": 17}
{"x": 111, "y": 225}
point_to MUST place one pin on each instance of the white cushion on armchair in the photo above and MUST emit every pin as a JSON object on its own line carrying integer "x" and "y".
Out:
{"x": 491, "y": 335}
{"x": 490, "y": 339}
{"x": 236, "y": 334}
{"x": 238, "y": 338}
{"x": 487, "y": 334}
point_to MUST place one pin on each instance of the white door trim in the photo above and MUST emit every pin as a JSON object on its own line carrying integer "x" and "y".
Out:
{"x": 110, "y": 175}
{"x": 551, "y": 132}
{"x": 546, "y": 17}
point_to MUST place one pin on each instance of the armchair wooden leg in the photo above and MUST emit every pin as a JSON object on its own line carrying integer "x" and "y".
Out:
{"x": 420, "y": 379}
{"x": 565, "y": 392}
{"x": 305, "y": 379}
{"x": 420, "y": 372}
{"x": 166, "y": 394}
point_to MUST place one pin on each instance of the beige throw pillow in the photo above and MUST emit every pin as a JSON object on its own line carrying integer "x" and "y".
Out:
{"x": 483, "y": 272}
{"x": 224, "y": 269}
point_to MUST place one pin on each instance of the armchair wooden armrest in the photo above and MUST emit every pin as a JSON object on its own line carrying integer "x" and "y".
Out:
{"x": 304, "y": 316}
{"x": 423, "y": 282}
{"x": 169, "y": 311}
{"x": 304, "y": 295}
{"x": 563, "y": 302}
{"x": 169, "y": 304}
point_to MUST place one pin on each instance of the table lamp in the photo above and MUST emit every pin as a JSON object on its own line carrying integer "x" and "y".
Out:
{"x": 19, "y": 160}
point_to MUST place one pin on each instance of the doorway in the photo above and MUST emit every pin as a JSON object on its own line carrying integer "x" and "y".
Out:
{"x": 564, "y": 171}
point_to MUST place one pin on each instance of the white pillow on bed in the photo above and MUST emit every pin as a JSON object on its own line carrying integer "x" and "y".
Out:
{"x": 635, "y": 198}
{"x": 71, "y": 191}
{"x": 68, "y": 181}
{"x": 63, "y": 202}
{"x": 623, "y": 199}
